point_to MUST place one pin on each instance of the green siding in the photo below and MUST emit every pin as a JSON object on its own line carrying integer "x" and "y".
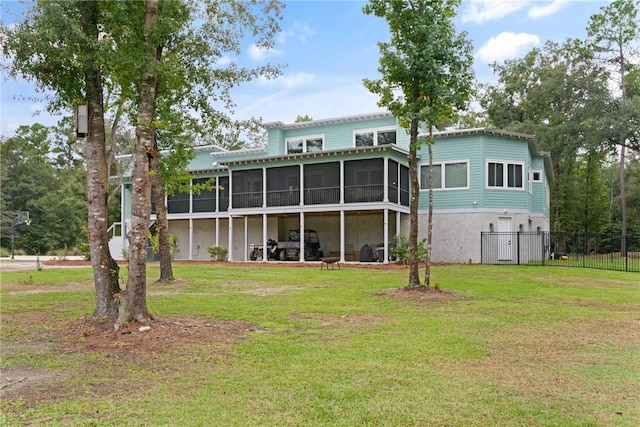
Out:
{"x": 336, "y": 136}
{"x": 202, "y": 161}
{"x": 127, "y": 201}
{"x": 510, "y": 150}
{"x": 474, "y": 148}
{"x": 477, "y": 149}
{"x": 466, "y": 148}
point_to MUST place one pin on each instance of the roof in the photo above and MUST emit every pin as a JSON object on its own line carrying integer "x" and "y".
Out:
{"x": 483, "y": 131}
{"x": 330, "y": 121}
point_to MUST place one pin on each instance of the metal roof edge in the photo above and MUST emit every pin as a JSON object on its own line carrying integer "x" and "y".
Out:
{"x": 341, "y": 151}
{"x": 476, "y": 131}
{"x": 329, "y": 121}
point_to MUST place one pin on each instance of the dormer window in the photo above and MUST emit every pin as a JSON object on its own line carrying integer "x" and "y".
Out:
{"x": 371, "y": 137}
{"x": 305, "y": 144}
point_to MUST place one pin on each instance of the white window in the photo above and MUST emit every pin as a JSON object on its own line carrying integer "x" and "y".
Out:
{"x": 446, "y": 176}
{"x": 371, "y": 137}
{"x": 295, "y": 146}
{"x": 534, "y": 176}
{"x": 505, "y": 175}
{"x": 305, "y": 144}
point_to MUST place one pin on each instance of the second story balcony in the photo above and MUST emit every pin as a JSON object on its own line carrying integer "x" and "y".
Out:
{"x": 329, "y": 183}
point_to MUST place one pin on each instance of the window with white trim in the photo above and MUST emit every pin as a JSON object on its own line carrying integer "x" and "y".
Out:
{"x": 304, "y": 144}
{"x": 371, "y": 137}
{"x": 534, "y": 176}
{"x": 505, "y": 175}
{"x": 454, "y": 177}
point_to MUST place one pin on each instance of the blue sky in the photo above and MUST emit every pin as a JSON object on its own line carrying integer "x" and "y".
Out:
{"x": 330, "y": 46}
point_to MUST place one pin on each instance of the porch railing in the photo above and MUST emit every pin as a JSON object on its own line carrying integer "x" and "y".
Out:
{"x": 283, "y": 197}
{"x": 363, "y": 193}
{"x": 322, "y": 196}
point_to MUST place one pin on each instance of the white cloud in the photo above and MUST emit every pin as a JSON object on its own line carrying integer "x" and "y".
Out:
{"x": 224, "y": 60}
{"x": 330, "y": 97}
{"x": 283, "y": 36}
{"x": 300, "y": 31}
{"x": 288, "y": 81}
{"x": 258, "y": 53}
{"x": 537, "y": 12}
{"x": 506, "y": 45}
{"x": 481, "y": 11}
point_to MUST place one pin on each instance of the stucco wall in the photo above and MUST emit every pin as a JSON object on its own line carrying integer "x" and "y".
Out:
{"x": 456, "y": 235}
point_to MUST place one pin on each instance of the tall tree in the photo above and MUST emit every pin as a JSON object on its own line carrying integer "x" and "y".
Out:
{"x": 133, "y": 304}
{"x": 615, "y": 35}
{"x": 162, "y": 225}
{"x": 58, "y": 45}
{"x": 301, "y": 119}
{"x": 556, "y": 93}
{"x": 175, "y": 73}
{"x": 79, "y": 49}
{"x": 426, "y": 77}
{"x": 32, "y": 178}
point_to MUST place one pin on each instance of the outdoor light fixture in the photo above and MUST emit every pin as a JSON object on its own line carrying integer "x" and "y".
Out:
{"x": 475, "y": 204}
{"x": 82, "y": 120}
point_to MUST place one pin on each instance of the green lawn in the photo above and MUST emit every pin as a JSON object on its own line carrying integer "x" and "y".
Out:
{"x": 514, "y": 346}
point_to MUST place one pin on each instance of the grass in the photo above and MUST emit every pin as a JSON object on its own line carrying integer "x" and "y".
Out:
{"x": 609, "y": 261}
{"x": 521, "y": 346}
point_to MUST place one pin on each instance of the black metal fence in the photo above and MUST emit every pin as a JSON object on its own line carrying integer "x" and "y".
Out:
{"x": 601, "y": 251}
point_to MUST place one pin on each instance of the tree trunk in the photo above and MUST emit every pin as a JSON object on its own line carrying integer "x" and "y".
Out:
{"x": 414, "y": 268}
{"x": 105, "y": 268}
{"x": 162, "y": 226}
{"x": 623, "y": 202}
{"x": 427, "y": 267}
{"x": 623, "y": 190}
{"x": 133, "y": 305}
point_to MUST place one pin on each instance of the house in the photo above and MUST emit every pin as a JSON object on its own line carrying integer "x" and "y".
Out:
{"x": 348, "y": 179}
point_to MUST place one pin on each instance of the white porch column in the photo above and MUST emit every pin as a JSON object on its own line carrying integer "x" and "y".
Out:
{"x": 246, "y": 237}
{"x": 230, "y": 253}
{"x": 385, "y": 181}
{"x": 341, "y": 235}
{"x": 342, "y": 188}
{"x": 301, "y": 185}
{"x": 190, "y": 238}
{"x": 230, "y": 192}
{"x": 123, "y": 218}
{"x": 217, "y": 196}
{"x": 190, "y": 219}
{"x": 386, "y": 236}
{"x": 191, "y": 196}
{"x": 265, "y": 251}
{"x": 301, "y": 236}
{"x": 217, "y": 231}
{"x": 264, "y": 187}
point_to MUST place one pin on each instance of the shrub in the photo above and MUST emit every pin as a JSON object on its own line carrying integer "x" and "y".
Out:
{"x": 154, "y": 241}
{"x": 83, "y": 247}
{"x": 401, "y": 249}
{"x": 218, "y": 253}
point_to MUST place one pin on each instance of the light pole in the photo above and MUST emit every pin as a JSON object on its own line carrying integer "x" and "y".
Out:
{"x": 22, "y": 218}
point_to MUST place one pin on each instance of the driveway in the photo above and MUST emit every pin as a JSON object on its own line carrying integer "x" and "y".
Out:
{"x": 30, "y": 262}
